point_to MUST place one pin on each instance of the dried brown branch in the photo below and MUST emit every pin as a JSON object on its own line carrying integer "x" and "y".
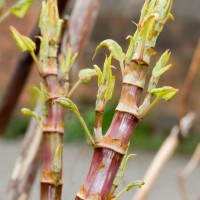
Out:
{"x": 189, "y": 80}
{"x": 26, "y": 165}
{"x": 186, "y": 172}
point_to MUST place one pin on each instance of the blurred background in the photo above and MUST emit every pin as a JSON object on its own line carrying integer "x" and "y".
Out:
{"x": 115, "y": 21}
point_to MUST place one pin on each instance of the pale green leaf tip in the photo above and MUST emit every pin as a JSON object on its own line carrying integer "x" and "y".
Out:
{"x": 66, "y": 103}
{"x": 27, "y": 111}
{"x": 24, "y": 43}
{"x": 166, "y": 92}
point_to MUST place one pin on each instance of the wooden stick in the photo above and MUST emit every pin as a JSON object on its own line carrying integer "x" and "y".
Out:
{"x": 186, "y": 172}
{"x": 164, "y": 154}
{"x": 195, "y": 64}
{"x": 26, "y": 165}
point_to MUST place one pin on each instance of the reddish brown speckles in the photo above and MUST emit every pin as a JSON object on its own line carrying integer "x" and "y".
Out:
{"x": 101, "y": 166}
{"x": 96, "y": 196}
{"x": 82, "y": 190}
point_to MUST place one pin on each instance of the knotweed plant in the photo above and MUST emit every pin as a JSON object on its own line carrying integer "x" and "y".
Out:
{"x": 52, "y": 119}
{"x": 110, "y": 150}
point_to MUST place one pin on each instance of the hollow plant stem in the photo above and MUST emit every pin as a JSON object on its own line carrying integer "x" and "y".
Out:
{"x": 110, "y": 151}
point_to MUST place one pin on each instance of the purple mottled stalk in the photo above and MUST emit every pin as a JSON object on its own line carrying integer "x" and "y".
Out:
{"x": 108, "y": 155}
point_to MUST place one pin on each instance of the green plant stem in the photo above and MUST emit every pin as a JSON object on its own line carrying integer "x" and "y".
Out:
{"x": 88, "y": 134}
{"x": 75, "y": 86}
{"x": 128, "y": 187}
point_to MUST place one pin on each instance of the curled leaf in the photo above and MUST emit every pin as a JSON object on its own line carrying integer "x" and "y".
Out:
{"x": 57, "y": 159}
{"x": 43, "y": 98}
{"x": 130, "y": 50}
{"x": 165, "y": 92}
{"x": 66, "y": 103}
{"x": 107, "y": 81}
{"x": 24, "y": 43}
{"x": 99, "y": 74}
{"x": 86, "y": 74}
{"x": 114, "y": 48}
{"x": 27, "y": 111}
{"x": 128, "y": 187}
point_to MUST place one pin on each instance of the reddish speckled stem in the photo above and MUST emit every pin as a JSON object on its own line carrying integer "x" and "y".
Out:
{"x": 51, "y": 179}
{"x": 107, "y": 157}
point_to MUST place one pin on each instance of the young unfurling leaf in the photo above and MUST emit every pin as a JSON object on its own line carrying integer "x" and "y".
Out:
{"x": 27, "y": 111}
{"x": 24, "y": 43}
{"x": 43, "y": 98}
{"x": 130, "y": 50}
{"x": 166, "y": 92}
{"x": 20, "y": 8}
{"x": 128, "y": 187}
{"x": 159, "y": 69}
{"x": 66, "y": 103}
{"x": 85, "y": 75}
{"x": 107, "y": 80}
{"x": 114, "y": 48}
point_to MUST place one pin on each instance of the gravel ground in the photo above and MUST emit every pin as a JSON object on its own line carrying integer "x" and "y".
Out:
{"x": 76, "y": 163}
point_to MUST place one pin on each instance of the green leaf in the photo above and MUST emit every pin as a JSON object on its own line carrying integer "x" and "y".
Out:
{"x": 165, "y": 92}
{"x": 130, "y": 50}
{"x": 129, "y": 186}
{"x": 114, "y": 48}
{"x": 86, "y": 74}
{"x": 161, "y": 71}
{"x": 158, "y": 69}
{"x": 107, "y": 82}
{"x": 20, "y": 8}
{"x": 66, "y": 103}
{"x": 73, "y": 58}
{"x": 99, "y": 74}
{"x": 121, "y": 171}
{"x": 24, "y": 43}
{"x": 27, "y": 111}
{"x": 57, "y": 159}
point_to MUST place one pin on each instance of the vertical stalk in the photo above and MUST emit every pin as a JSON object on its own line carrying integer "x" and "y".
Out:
{"x": 109, "y": 152}
{"x": 51, "y": 178}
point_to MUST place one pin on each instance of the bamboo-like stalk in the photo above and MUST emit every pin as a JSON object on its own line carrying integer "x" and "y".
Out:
{"x": 15, "y": 189}
{"x": 188, "y": 169}
{"x": 164, "y": 154}
{"x": 109, "y": 152}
